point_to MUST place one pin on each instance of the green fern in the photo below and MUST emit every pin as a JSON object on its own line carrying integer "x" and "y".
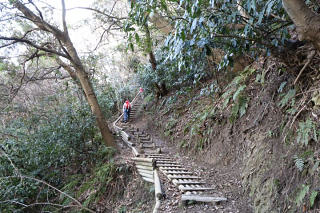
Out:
{"x": 239, "y": 108}
{"x": 306, "y": 131}
{"x": 287, "y": 97}
{"x": 301, "y": 194}
{"x": 299, "y": 162}
{"x": 313, "y": 197}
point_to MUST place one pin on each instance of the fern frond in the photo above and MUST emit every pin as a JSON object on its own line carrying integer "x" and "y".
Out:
{"x": 299, "y": 163}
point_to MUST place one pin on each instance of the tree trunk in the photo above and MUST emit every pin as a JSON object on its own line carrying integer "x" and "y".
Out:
{"x": 161, "y": 89}
{"x": 153, "y": 61}
{"x": 306, "y": 21}
{"x": 89, "y": 92}
{"x": 71, "y": 54}
{"x": 95, "y": 108}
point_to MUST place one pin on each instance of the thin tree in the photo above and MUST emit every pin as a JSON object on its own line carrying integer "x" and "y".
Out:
{"x": 62, "y": 48}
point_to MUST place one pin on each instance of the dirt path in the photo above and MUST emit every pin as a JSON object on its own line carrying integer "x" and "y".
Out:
{"x": 225, "y": 180}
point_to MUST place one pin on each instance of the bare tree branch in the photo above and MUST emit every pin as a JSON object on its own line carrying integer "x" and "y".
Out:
{"x": 15, "y": 39}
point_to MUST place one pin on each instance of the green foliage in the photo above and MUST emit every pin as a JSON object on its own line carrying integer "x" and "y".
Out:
{"x": 50, "y": 143}
{"x": 307, "y": 130}
{"x": 299, "y": 163}
{"x": 235, "y": 92}
{"x": 286, "y": 97}
{"x": 301, "y": 194}
{"x": 313, "y": 197}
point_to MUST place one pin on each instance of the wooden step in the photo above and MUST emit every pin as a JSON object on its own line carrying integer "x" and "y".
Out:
{"x": 201, "y": 198}
{"x": 148, "y": 145}
{"x": 183, "y": 177}
{"x": 173, "y": 169}
{"x": 163, "y": 159}
{"x": 178, "y": 173}
{"x": 188, "y": 188}
{"x": 167, "y": 162}
{"x": 168, "y": 165}
{"x": 188, "y": 182}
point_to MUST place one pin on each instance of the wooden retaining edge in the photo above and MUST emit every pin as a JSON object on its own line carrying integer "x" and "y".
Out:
{"x": 150, "y": 160}
{"x": 150, "y": 180}
{"x": 145, "y": 167}
{"x": 150, "y": 172}
{"x": 145, "y": 164}
{"x": 135, "y": 152}
{"x": 157, "y": 185}
{"x": 146, "y": 174}
{"x": 200, "y": 198}
{"x": 157, "y": 191}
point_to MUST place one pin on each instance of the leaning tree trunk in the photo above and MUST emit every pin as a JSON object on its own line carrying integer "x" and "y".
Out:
{"x": 89, "y": 93}
{"x": 71, "y": 54}
{"x": 95, "y": 107}
{"x": 306, "y": 21}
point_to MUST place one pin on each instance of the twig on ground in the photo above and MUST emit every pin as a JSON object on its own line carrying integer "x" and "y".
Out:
{"x": 310, "y": 57}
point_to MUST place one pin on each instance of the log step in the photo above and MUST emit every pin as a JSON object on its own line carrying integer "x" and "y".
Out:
{"x": 183, "y": 177}
{"x": 148, "y": 146}
{"x": 186, "y": 182}
{"x": 167, "y": 162}
{"x": 188, "y": 188}
{"x": 177, "y": 173}
{"x": 168, "y": 165}
{"x": 201, "y": 198}
{"x": 173, "y": 169}
{"x": 150, "y": 180}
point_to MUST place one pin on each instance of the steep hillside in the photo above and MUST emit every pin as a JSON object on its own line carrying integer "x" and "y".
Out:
{"x": 261, "y": 129}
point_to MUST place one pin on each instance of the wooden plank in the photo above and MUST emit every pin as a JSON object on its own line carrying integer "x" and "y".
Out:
{"x": 135, "y": 152}
{"x": 164, "y": 159}
{"x": 146, "y": 175}
{"x": 154, "y": 154}
{"x": 157, "y": 185}
{"x": 190, "y": 188}
{"x": 144, "y": 167}
{"x": 150, "y": 160}
{"x": 191, "y": 182}
{"x": 201, "y": 198}
{"x": 125, "y": 135}
{"x": 178, "y": 173}
{"x": 148, "y": 146}
{"x": 150, "y": 180}
{"x": 167, "y": 162}
{"x": 168, "y": 165}
{"x": 183, "y": 177}
{"x": 145, "y": 164}
{"x": 173, "y": 169}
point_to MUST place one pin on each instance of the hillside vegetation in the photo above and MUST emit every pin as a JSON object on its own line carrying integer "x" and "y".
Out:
{"x": 234, "y": 84}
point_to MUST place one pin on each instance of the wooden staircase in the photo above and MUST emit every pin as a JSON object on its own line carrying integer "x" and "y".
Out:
{"x": 148, "y": 158}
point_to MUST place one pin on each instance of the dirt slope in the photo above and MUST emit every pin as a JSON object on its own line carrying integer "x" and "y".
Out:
{"x": 247, "y": 159}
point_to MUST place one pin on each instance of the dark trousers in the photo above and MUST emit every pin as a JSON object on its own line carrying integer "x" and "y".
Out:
{"x": 126, "y": 115}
